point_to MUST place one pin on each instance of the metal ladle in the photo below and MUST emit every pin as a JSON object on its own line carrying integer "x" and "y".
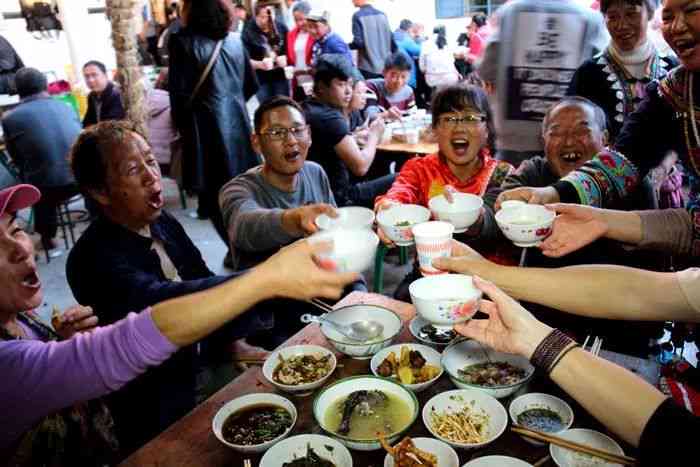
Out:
{"x": 360, "y": 331}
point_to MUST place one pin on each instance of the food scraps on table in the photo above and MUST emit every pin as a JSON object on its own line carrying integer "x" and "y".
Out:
{"x": 490, "y": 374}
{"x": 410, "y": 367}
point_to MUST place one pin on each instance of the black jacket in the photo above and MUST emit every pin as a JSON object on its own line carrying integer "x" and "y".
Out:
{"x": 216, "y": 129}
{"x": 10, "y": 62}
{"x": 258, "y": 45}
{"x": 108, "y": 106}
{"x": 39, "y": 133}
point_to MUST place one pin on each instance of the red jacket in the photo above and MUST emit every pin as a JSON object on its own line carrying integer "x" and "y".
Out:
{"x": 291, "y": 54}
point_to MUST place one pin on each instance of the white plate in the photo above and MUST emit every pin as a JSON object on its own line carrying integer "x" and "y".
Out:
{"x": 296, "y": 447}
{"x": 497, "y": 461}
{"x": 447, "y": 457}
{"x": 566, "y": 458}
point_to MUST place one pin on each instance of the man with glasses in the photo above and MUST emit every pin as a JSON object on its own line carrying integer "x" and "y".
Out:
{"x": 276, "y": 203}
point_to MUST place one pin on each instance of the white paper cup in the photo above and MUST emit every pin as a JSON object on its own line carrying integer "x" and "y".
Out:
{"x": 289, "y": 72}
{"x": 433, "y": 240}
{"x": 413, "y": 136}
{"x": 269, "y": 63}
{"x": 281, "y": 61}
{"x": 308, "y": 87}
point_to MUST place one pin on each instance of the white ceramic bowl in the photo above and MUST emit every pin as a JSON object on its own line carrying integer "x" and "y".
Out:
{"x": 469, "y": 352}
{"x": 461, "y": 213}
{"x": 527, "y": 225}
{"x": 353, "y": 249}
{"x": 341, "y": 389}
{"x": 512, "y": 203}
{"x": 295, "y": 447}
{"x": 411, "y": 214}
{"x": 446, "y": 456}
{"x": 348, "y": 315}
{"x": 497, "y": 461}
{"x": 538, "y": 400}
{"x": 478, "y": 401}
{"x": 296, "y": 351}
{"x": 352, "y": 217}
{"x": 431, "y": 356}
{"x": 247, "y": 401}
{"x": 445, "y": 299}
{"x": 566, "y": 458}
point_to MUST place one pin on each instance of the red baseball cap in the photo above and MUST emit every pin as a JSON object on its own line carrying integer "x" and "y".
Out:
{"x": 18, "y": 197}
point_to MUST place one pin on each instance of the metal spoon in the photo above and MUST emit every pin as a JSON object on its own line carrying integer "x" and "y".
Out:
{"x": 361, "y": 331}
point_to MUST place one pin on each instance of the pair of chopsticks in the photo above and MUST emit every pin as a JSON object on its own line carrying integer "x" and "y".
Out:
{"x": 574, "y": 446}
{"x": 247, "y": 463}
{"x": 321, "y": 304}
{"x": 595, "y": 347}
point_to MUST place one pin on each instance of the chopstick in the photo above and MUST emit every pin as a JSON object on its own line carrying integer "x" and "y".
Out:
{"x": 247, "y": 463}
{"x": 321, "y": 304}
{"x": 574, "y": 446}
{"x": 542, "y": 461}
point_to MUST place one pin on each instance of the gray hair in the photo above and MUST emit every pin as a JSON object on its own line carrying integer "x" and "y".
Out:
{"x": 598, "y": 114}
{"x": 302, "y": 7}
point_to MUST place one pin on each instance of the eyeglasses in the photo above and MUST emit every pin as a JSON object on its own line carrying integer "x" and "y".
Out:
{"x": 472, "y": 121}
{"x": 282, "y": 134}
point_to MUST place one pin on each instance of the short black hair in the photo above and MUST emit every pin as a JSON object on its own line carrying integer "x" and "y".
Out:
{"x": 479, "y": 19}
{"x": 650, "y": 5}
{"x": 332, "y": 66}
{"x": 30, "y": 81}
{"x": 210, "y": 18}
{"x": 274, "y": 103}
{"x": 96, "y": 63}
{"x": 398, "y": 61}
{"x": 459, "y": 97}
{"x": 93, "y": 150}
{"x": 405, "y": 24}
{"x": 598, "y": 113}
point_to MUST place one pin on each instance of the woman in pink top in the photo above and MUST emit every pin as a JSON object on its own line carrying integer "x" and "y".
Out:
{"x": 477, "y": 37}
{"x": 299, "y": 49}
{"x": 43, "y": 420}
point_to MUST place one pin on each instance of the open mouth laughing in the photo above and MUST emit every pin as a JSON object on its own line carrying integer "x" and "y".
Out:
{"x": 156, "y": 201}
{"x": 31, "y": 280}
{"x": 460, "y": 146}
{"x": 684, "y": 47}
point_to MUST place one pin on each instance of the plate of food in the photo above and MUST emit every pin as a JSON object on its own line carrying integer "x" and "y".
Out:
{"x": 307, "y": 451}
{"x": 354, "y": 410}
{"x": 299, "y": 369}
{"x": 472, "y": 365}
{"x": 415, "y": 366}
{"x": 465, "y": 418}
{"x": 253, "y": 423}
{"x": 429, "y": 452}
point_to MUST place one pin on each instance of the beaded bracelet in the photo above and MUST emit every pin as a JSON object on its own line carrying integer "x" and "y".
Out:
{"x": 551, "y": 350}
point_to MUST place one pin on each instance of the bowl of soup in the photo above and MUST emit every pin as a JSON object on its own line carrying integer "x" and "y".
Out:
{"x": 526, "y": 225}
{"x": 397, "y": 222}
{"x": 472, "y": 365}
{"x": 444, "y": 300}
{"x": 391, "y": 327}
{"x": 541, "y": 412}
{"x": 353, "y": 250}
{"x": 253, "y": 423}
{"x": 353, "y": 410}
{"x": 462, "y": 212}
{"x": 351, "y": 217}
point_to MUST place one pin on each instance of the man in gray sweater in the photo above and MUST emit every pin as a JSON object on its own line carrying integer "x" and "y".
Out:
{"x": 276, "y": 203}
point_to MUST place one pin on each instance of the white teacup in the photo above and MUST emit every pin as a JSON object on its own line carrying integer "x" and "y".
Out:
{"x": 268, "y": 63}
{"x": 433, "y": 240}
{"x": 289, "y": 72}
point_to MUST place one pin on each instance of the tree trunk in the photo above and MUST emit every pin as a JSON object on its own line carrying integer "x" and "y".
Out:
{"x": 122, "y": 16}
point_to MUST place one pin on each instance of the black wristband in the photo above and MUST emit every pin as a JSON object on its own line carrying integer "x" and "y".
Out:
{"x": 551, "y": 349}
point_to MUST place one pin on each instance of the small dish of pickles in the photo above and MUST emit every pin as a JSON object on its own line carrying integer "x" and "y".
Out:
{"x": 414, "y": 366}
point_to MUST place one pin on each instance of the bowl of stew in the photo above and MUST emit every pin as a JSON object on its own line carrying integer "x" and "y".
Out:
{"x": 472, "y": 365}
{"x": 253, "y": 423}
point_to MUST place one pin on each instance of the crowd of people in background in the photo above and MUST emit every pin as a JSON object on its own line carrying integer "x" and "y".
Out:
{"x": 588, "y": 110}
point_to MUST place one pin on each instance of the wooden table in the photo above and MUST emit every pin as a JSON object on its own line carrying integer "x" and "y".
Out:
{"x": 421, "y": 148}
{"x": 191, "y": 442}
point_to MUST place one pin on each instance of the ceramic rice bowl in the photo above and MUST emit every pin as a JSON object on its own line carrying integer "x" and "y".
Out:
{"x": 538, "y": 400}
{"x": 347, "y": 315}
{"x": 351, "y": 217}
{"x": 297, "y": 351}
{"x": 566, "y": 458}
{"x": 397, "y": 221}
{"x": 526, "y": 226}
{"x": 297, "y": 447}
{"x": 431, "y": 356}
{"x": 462, "y": 212}
{"x": 445, "y": 299}
{"x": 353, "y": 249}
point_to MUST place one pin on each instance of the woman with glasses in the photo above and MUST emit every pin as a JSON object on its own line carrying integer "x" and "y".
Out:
{"x": 463, "y": 127}
{"x": 616, "y": 78}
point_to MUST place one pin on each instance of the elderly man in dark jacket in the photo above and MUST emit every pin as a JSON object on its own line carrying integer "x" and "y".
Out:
{"x": 39, "y": 133}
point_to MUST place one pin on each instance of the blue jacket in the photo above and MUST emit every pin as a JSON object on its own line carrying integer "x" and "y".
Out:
{"x": 39, "y": 134}
{"x": 372, "y": 38}
{"x": 331, "y": 43}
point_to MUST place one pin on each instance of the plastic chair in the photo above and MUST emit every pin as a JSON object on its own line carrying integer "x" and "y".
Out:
{"x": 382, "y": 250}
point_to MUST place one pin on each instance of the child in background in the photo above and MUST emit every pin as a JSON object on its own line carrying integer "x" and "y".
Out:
{"x": 393, "y": 94}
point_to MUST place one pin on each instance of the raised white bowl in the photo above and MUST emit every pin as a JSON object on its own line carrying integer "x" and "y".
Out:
{"x": 446, "y": 456}
{"x": 469, "y": 352}
{"x": 242, "y": 402}
{"x": 445, "y": 299}
{"x": 497, "y": 461}
{"x": 538, "y": 400}
{"x": 296, "y": 447}
{"x": 461, "y": 213}
{"x": 527, "y": 225}
{"x": 347, "y": 315}
{"x": 566, "y": 458}
{"x": 402, "y": 235}
{"x": 432, "y": 357}
{"x": 340, "y": 389}
{"x": 352, "y": 217}
{"x": 512, "y": 203}
{"x": 353, "y": 249}
{"x": 479, "y": 401}
{"x": 296, "y": 351}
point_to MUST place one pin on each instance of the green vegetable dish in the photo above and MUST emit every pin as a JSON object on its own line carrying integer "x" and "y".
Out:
{"x": 403, "y": 224}
{"x": 311, "y": 459}
{"x": 256, "y": 424}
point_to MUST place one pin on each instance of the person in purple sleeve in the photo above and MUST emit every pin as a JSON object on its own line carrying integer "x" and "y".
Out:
{"x": 43, "y": 419}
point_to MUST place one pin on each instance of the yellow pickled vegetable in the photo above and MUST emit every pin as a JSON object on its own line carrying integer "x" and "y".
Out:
{"x": 406, "y": 375}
